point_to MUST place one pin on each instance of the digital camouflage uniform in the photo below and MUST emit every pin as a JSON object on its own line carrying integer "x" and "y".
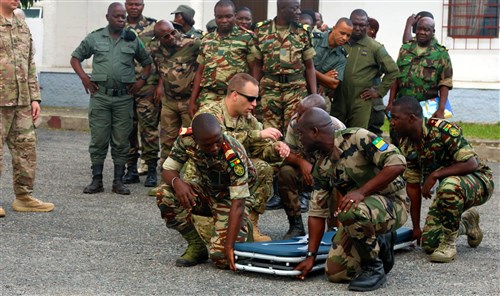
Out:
{"x": 361, "y": 156}
{"x": 282, "y": 52}
{"x": 420, "y": 76}
{"x": 220, "y": 182}
{"x": 442, "y": 146}
{"x": 366, "y": 58}
{"x": 177, "y": 67}
{"x": 290, "y": 181}
{"x": 222, "y": 57}
{"x": 147, "y": 112}
{"x": 111, "y": 107}
{"x": 261, "y": 151}
{"x": 18, "y": 88}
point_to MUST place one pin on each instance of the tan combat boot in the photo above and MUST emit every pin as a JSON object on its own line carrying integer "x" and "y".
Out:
{"x": 26, "y": 203}
{"x": 257, "y": 235}
{"x": 470, "y": 220}
{"x": 447, "y": 251}
{"x": 2, "y": 212}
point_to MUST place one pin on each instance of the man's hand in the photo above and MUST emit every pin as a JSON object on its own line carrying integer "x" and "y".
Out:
{"x": 159, "y": 93}
{"x": 332, "y": 73}
{"x": 416, "y": 235}
{"x": 412, "y": 19}
{"x": 282, "y": 149}
{"x": 35, "y": 110}
{"x": 230, "y": 257}
{"x": 271, "y": 133}
{"x": 89, "y": 86}
{"x": 136, "y": 87}
{"x": 369, "y": 94}
{"x": 305, "y": 266}
{"x": 184, "y": 193}
{"x": 439, "y": 113}
{"x": 306, "y": 169}
{"x": 352, "y": 198}
{"x": 428, "y": 184}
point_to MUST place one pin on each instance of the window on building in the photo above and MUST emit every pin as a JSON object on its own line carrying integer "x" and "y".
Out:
{"x": 473, "y": 18}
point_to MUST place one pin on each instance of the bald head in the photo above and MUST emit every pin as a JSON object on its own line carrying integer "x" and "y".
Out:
{"x": 316, "y": 118}
{"x": 313, "y": 100}
{"x": 163, "y": 25}
{"x": 426, "y": 21}
{"x": 205, "y": 125}
{"x": 114, "y": 5}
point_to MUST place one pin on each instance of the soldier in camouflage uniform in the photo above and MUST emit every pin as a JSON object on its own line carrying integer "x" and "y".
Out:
{"x": 284, "y": 65}
{"x": 223, "y": 192}
{"x": 175, "y": 57}
{"x": 223, "y": 53}
{"x": 146, "y": 106}
{"x": 436, "y": 151}
{"x": 234, "y": 115}
{"x": 183, "y": 19}
{"x": 366, "y": 172}
{"x": 19, "y": 107}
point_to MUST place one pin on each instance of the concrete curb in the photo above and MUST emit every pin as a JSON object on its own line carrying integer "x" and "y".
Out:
{"x": 77, "y": 120}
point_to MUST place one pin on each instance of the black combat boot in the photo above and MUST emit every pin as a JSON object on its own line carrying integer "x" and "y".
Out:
{"x": 151, "y": 179}
{"x": 274, "y": 202}
{"x": 386, "y": 254}
{"x": 132, "y": 176}
{"x": 96, "y": 185}
{"x": 296, "y": 227}
{"x": 118, "y": 186}
{"x": 371, "y": 278}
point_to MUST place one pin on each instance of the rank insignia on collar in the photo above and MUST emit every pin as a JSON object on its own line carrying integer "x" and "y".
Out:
{"x": 380, "y": 144}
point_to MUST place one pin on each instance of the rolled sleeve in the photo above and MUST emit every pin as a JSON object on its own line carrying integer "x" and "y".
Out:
{"x": 318, "y": 206}
{"x": 239, "y": 191}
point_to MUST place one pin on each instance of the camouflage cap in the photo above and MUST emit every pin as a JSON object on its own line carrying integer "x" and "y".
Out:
{"x": 211, "y": 24}
{"x": 184, "y": 9}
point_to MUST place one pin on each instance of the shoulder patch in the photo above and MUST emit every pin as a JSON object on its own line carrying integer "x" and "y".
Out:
{"x": 445, "y": 126}
{"x": 259, "y": 24}
{"x": 233, "y": 160}
{"x": 185, "y": 131}
{"x": 380, "y": 144}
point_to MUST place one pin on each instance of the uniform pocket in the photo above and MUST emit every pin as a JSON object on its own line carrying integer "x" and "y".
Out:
{"x": 101, "y": 52}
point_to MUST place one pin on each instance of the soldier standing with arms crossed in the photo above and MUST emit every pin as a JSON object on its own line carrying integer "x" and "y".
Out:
{"x": 19, "y": 106}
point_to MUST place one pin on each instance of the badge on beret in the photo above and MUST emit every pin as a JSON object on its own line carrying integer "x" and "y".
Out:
{"x": 380, "y": 144}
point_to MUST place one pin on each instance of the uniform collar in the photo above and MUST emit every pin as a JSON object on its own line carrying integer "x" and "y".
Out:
{"x": 105, "y": 32}
{"x": 14, "y": 22}
{"x": 292, "y": 27}
{"x": 234, "y": 32}
{"x": 363, "y": 41}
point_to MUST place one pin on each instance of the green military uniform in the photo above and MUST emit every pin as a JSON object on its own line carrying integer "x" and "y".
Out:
{"x": 224, "y": 178}
{"x": 282, "y": 52}
{"x": 420, "y": 76}
{"x": 366, "y": 58}
{"x": 177, "y": 67}
{"x": 442, "y": 146}
{"x": 195, "y": 33}
{"x": 361, "y": 156}
{"x": 18, "y": 88}
{"x": 146, "y": 110}
{"x": 111, "y": 107}
{"x": 222, "y": 57}
{"x": 261, "y": 152}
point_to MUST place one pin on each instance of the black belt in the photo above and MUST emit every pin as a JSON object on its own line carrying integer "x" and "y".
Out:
{"x": 179, "y": 97}
{"x": 285, "y": 78}
{"x": 112, "y": 92}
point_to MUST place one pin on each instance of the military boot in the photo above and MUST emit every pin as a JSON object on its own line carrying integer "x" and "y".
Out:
{"x": 96, "y": 185}
{"x": 296, "y": 227}
{"x": 151, "y": 179}
{"x": 470, "y": 227}
{"x": 446, "y": 251}
{"x": 371, "y": 278}
{"x": 274, "y": 202}
{"x": 257, "y": 235}
{"x": 386, "y": 243}
{"x": 196, "y": 251}
{"x": 27, "y": 203}
{"x": 118, "y": 186}
{"x": 132, "y": 176}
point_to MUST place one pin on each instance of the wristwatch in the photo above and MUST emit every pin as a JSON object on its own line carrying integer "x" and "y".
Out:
{"x": 144, "y": 77}
{"x": 311, "y": 254}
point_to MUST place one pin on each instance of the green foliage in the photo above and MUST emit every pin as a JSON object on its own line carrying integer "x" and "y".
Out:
{"x": 28, "y": 3}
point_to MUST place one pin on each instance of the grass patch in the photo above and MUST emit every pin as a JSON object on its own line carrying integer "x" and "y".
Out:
{"x": 487, "y": 131}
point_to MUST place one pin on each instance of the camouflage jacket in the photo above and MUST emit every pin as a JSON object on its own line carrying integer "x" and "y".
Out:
{"x": 177, "y": 66}
{"x": 18, "y": 83}
{"x": 357, "y": 157}
{"x": 442, "y": 145}
{"x": 421, "y": 76}
{"x": 282, "y": 54}
{"x": 244, "y": 129}
{"x": 230, "y": 174}
{"x": 224, "y": 56}
{"x": 145, "y": 31}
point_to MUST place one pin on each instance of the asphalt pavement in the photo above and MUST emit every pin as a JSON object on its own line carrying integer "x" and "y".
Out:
{"x": 109, "y": 244}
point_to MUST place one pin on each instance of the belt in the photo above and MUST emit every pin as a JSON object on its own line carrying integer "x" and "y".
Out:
{"x": 285, "y": 78}
{"x": 112, "y": 92}
{"x": 179, "y": 97}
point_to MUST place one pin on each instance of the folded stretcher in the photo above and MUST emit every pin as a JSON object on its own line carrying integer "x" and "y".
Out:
{"x": 280, "y": 257}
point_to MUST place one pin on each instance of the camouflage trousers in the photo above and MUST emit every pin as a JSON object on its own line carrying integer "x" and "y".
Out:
{"x": 174, "y": 115}
{"x": 207, "y": 96}
{"x": 146, "y": 119}
{"x": 289, "y": 185}
{"x": 208, "y": 204}
{"x": 279, "y": 102}
{"x": 18, "y": 132}
{"x": 263, "y": 184}
{"x": 356, "y": 239}
{"x": 454, "y": 195}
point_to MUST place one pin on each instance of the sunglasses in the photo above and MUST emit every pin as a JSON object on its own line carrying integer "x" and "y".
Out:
{"x": 249, "y": 98}
{"x": 169, "y": 34}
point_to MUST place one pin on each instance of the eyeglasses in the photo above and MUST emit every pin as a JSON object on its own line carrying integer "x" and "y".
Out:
{"x": 169, "y": 34}
{"x": 249, "y": 98}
